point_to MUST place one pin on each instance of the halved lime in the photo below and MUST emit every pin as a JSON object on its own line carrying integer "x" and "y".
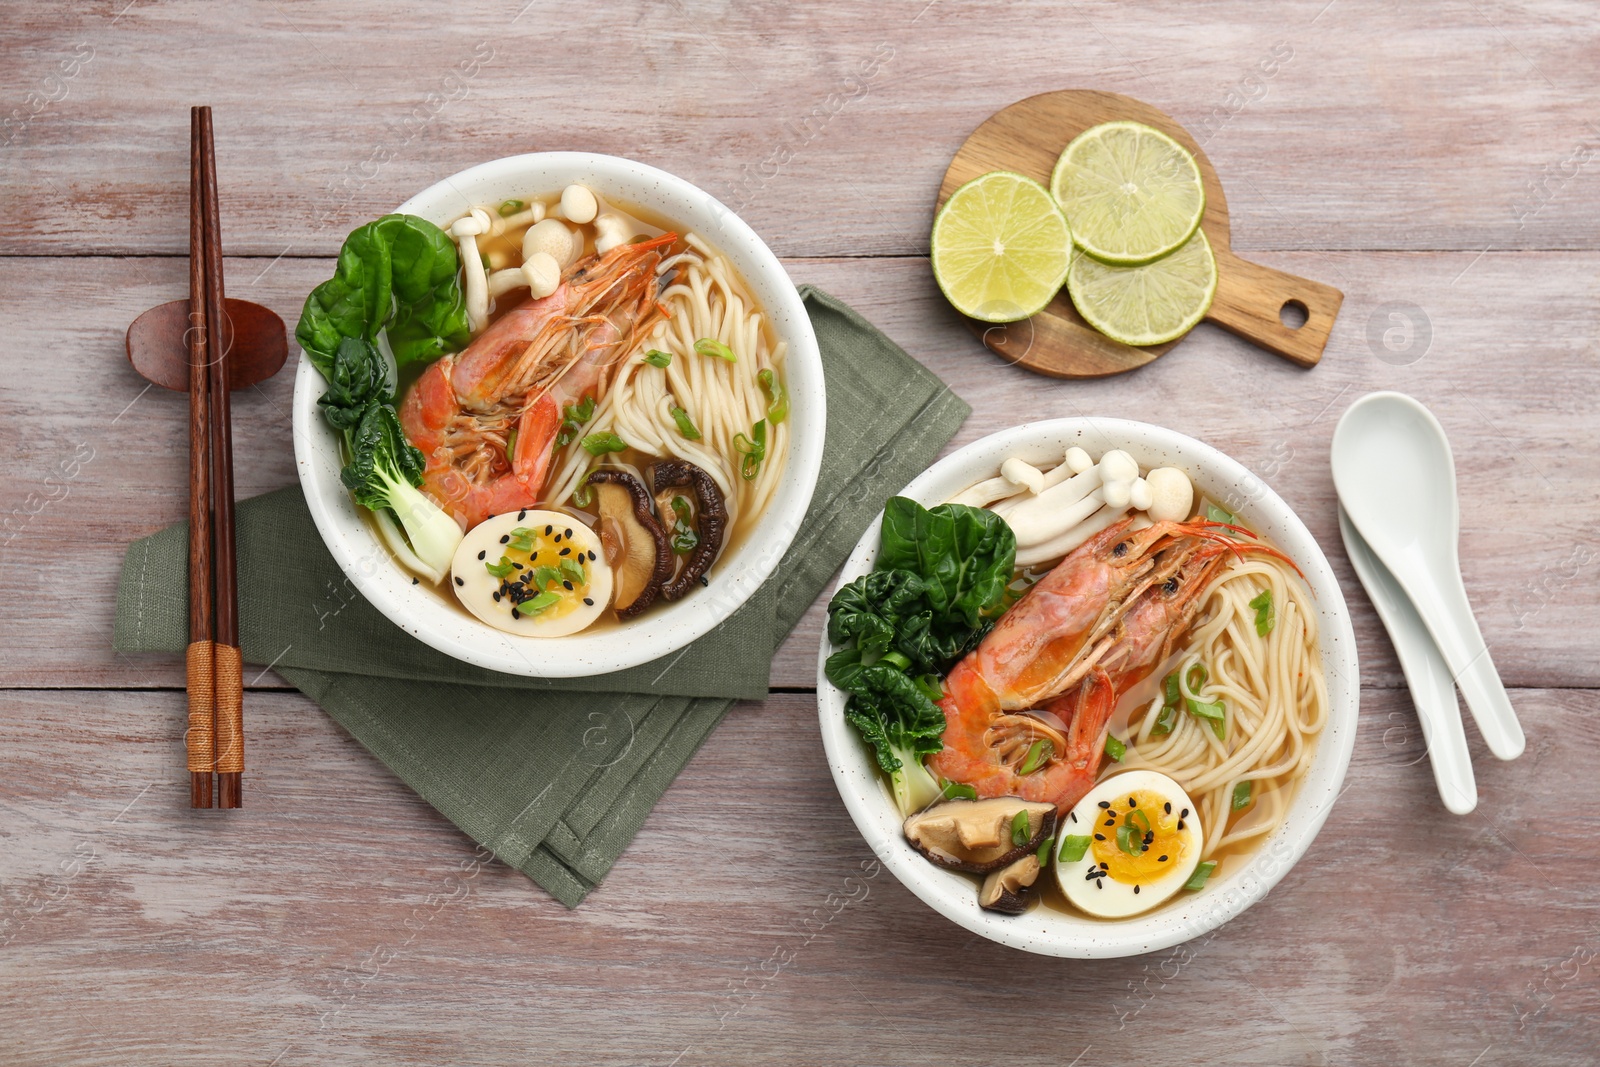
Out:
{"x": 1147, "y": 304}
{"x": 1000, "y": 247}
{"x": 1131, "y": 193}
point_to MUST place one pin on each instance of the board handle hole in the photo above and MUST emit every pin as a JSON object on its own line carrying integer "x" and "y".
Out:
{"x": 1293, "y": 314}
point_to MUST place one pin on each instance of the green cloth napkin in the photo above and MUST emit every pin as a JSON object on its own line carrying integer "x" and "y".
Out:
{"x": 554, "y": 776}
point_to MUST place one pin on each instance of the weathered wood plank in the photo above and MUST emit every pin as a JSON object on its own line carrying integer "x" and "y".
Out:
{"x": 337, "y": 919}
{"x": 1518, "y": 404}
{"x": 1350, "y": 125}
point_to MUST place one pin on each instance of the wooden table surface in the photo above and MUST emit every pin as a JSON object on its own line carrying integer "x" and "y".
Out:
{"x": 1438, "y": 167}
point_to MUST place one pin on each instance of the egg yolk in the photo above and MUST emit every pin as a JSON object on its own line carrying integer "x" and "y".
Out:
{"x": 1137, "y": 837}
{"x": 542, "y": 572}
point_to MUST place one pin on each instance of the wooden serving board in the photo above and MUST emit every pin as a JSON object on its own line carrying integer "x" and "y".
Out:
{"x": 1252, "y": 301}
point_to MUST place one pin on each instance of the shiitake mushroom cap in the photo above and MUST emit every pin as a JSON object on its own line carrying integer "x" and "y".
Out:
{"x": 643, "y": 560}
{"x": 711, "y": 520}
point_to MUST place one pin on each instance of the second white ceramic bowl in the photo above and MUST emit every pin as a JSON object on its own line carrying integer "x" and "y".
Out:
{"x": 1057, "y": 933}
{"x": 737, "y": 575}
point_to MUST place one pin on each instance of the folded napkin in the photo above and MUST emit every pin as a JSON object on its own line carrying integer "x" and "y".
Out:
{"x": 555, "y": 776}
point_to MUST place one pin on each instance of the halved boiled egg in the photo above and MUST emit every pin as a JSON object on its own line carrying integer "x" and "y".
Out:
{"x": 533, "y": 573}
{"x": 1129, "y": 845}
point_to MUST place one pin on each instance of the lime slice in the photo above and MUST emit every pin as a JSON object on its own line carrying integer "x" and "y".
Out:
{"x": 1132, "y": 193}
{"x": 1148, "y": 304}
{"x": 1000, "y": 247}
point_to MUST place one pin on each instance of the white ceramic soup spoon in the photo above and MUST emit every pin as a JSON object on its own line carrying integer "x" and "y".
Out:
{"x": 1396, "y": 479}
{"x": 1433, "y": 691}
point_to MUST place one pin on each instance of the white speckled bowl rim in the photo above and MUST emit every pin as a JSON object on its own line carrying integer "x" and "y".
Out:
{"x": 661, "y": 632}
{"x": 1047, "y": 931}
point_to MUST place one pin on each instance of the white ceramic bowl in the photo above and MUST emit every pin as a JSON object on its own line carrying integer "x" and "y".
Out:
{"x": 666, "y": 629}
{"x": 1049, "y": 931}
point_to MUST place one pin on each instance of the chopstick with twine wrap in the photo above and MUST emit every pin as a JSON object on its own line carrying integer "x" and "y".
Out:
{"x": 228, "y": 665}
{"x": 199, "y": 657}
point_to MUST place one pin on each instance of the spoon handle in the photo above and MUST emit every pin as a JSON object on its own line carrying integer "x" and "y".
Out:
{"x": 1433, "y": 690}
{"x": 1445, "y": 609}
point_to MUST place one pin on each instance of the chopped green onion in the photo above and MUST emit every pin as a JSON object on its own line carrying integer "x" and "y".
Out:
{"x": 1216, "y": 514}
{"x": 1216, "y": 714}
{"x": 502, "y": 569}
{"x": 1265, "y": 619}
{"x": 511, "y": 445}
{"x": 777, "y": 399}
{"x": 574, "y": 571}
{"x": 1165, "y": 721}
{"x": 686, "y": 427}
{"x": 573, "y": 416}
{"x": 522, "y": 539}
{"x": 583, "y": 492}
{"x": 598, "y": 444}
{"x": 1045, "y": 848}
{"x": 1130, "y": 839}
{"x": 1197, "y": 880}
{"x": 754, "y": 451}
{"x": 1115, "y": 749}
{"x": 535, "y": 604}
{"x": 958, "y": 791}
{"x": 896, "y": 660}
{"x": 543, "y": 576}
{"x": 684, "y": 537}
{"x": 1039, "y": 754}
{"x": 1019, "y": 828}
{"x": 657, "y": 358}
{"x": 710, "y": 346}
{"x": 1197, "y": 677}
{"x": 511, "y": 207}
{"x": 1169, "y": 688}
{"x": 1138, "y": 820}
{"x": 1072, "y": 849}
{"x": 1241, "y": 796}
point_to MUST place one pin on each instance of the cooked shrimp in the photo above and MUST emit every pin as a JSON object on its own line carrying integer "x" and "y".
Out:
{"x": 1053, "y": 667}
{"x": 486, "y": 419}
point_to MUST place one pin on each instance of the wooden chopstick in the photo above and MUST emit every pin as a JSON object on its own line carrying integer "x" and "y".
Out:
{"x": 228, "y": 686}
{"x": 199, "y": 659}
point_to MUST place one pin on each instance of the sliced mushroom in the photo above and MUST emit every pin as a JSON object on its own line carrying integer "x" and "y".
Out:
{"x": 976, "y": 835}
{"x": 635, "y": 544}
{"x": 1005, "y": 890}
{"x": 711, "y": 520}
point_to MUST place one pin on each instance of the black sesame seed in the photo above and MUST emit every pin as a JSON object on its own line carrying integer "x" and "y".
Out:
{"x": 1180, "y": 824}
{"x": 566, "y": 585}
{"x": 591, "y": 553}
{"x": 1105, "y": 803}
{"x": 1090, "y": 876}
{"x": 1111, "y": 822}
{"x": 482, "y": 554}
{"x": 558, "y": 539}
{"x": 1135, "y": 890}
{"x": 569, "y": 535}
{"x": 588, "y": 602}
{"x": 497, "y": 597}
{"x": 1099, "y": 884}
{"x": 1167, "y": 807}
{"x": 547, "y": 530}
{"x": 1099, "y": 837}
{"x": 460, "y": 582}
{"x": 1071, "y": 814}
{"x": 514, "y": 614}
{"x": 704, "y": 580}
{"x": 504, "y": 538}
{"x": 1161, "y": 859}
{"x": 415, "y": 581}
{"x": 1105, "y": 866}
{"x": 1184, "y": 814}
{"x": 517, "y": 565}
{"x": 1131, "y": 804}
{"x": 566, "y": 550}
